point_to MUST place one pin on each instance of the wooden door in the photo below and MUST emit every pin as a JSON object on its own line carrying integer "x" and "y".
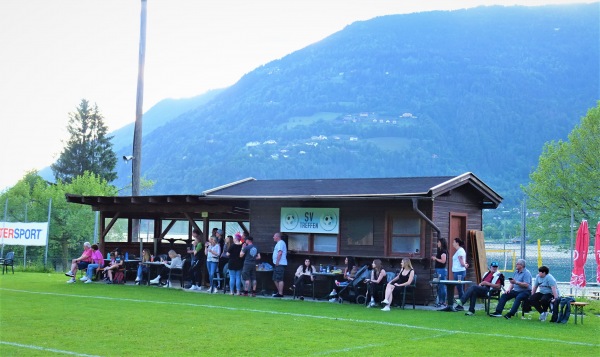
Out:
{"x": 458, "y": 229}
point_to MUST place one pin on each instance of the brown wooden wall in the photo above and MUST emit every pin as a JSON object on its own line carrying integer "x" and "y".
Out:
{"x": 264, "y": 221}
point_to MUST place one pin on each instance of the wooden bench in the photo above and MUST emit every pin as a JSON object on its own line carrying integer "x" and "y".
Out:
{"x": 577, "y": 308}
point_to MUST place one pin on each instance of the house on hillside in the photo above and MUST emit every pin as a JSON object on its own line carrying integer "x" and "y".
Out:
{"x": 326, "y": 219}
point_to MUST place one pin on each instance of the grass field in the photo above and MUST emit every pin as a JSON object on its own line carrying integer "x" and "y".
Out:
{"x": 41, "y": 315}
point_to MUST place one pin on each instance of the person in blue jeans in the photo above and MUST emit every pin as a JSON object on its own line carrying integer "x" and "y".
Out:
{"x": 141, "y": 267}
{"x": 459, "y": 264}
{"x": 235, "y": 265}
{"x": 520, "y": 289}
{"x": 213, "y": 251}
{"x": 440, "y": 269}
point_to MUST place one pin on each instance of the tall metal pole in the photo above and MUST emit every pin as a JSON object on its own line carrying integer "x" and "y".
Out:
{"x": 5, "y": 217}
{"x": 48, "y": 230}
{"x": 571, "y": 245}
{"x": 137, "y": 132}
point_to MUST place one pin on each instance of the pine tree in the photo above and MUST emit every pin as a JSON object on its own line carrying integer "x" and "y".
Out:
{"x": 88, "y": 148}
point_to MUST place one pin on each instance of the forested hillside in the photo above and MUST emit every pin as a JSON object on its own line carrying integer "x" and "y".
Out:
{"x": 437, "y": 93}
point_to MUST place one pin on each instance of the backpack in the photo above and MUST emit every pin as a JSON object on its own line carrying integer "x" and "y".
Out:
{"x": 119, "y": 277}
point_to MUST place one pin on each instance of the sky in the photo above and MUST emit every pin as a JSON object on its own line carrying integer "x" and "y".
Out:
{"x": 55, "y": 53}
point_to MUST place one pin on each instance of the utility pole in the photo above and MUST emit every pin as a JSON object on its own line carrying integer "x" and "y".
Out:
{"x": 137, "y": 132}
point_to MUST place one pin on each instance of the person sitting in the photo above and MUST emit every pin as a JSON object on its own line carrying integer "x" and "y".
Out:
{"x": 304, "y": 275}
{"x": 520, "y": 289}
{"x": 547, "y": 293}
{"x": 349, "y": 274}
{"x": 377, "y": 281}
{"x": 116, "y": 263}
{"x": 96, "y": 264}
{"x": 491, "y": 280}
{"x": 80, "y": 263}
{"x": 404, "y": 278}
{"x": 176, "y": 263}
{"x": 142, "y": 268}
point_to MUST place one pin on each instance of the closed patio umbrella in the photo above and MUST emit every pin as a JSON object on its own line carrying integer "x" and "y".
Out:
{"x": 597, "y": 252}
{"x": 581, "y": 248}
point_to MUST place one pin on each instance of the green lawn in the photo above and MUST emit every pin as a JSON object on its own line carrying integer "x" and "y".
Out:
{"x": 41, "y": 315}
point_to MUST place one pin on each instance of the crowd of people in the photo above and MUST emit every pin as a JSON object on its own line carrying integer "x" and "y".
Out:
{"x": 239, "y": 256}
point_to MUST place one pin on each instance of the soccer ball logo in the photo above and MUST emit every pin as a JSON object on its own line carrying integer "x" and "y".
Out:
{"x": 290, "y": 220}
{"x": 329, "y": 221}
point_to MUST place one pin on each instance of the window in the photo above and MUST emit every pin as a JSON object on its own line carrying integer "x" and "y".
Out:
{"x": 118, "y": 232}
{"x": 405, "y": 235}
{"x": 313, "y": 243}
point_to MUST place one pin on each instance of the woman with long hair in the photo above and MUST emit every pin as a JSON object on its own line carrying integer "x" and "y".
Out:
{"x": 304, "y": 275}
{"x": 404, "y": 278}
{"x": 141, "y": 267}
{"x": 440, "y": 260}
{"x": 213, "y": 251}
{"x": 377, "y": 281}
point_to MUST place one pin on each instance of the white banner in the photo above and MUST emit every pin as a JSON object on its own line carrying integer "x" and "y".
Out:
{"x": 310, "y": 220}
{"x": 18, "y": 233}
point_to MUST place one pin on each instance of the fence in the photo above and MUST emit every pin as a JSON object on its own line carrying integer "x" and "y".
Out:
{"x": 556, "y": 258}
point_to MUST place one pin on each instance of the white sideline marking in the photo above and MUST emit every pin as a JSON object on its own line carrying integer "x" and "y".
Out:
{"x": 32, "y": 347}
{"x": 372, "y": 322}
{"x": 348, "y": 349}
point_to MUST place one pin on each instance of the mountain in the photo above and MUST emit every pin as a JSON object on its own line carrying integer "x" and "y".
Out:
{"x": 160, "y": 114}
{"x": 435, "y": 93}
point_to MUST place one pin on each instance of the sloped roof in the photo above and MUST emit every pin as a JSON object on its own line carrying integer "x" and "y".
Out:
{"x": 434, "y": 186}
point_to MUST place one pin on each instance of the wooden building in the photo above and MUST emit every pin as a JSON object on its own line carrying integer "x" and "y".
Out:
{"x": 326, "y": 219}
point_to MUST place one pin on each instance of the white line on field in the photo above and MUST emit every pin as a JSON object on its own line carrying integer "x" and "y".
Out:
{"x": 372, "y": 322}
{"x": 348, "y": 349}
{"x": 32, "y": 347}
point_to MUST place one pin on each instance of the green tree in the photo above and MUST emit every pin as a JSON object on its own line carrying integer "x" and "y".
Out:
{"x": 567, "y": 177}
{"x": 88, "y": 148}
{"x": 70, "y": 224}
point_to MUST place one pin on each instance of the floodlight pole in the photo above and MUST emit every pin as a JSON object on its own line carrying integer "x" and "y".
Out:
{"x": 137, "y": 132}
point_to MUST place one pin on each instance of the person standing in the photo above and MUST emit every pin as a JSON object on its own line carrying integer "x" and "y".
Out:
{"x": 213, "y": 252}
{"x": 519, "y": 289}
{"x": 198, "y": 258}
{"x": 81, "y": 262}
{"x": 459, "y": 264}
{"x": 544, "y": 292}
{"x": 440, "y": 260}
{"x": 280, "y": 262}
{"x": 251, "y": 255}
{"x": 235, "y": 265}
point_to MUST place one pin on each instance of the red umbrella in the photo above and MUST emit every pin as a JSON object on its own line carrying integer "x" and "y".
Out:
{"x": 581, "y": 249}
{"x": 597, "y": 252}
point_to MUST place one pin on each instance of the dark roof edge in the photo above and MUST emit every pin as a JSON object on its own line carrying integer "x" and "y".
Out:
{"x": 474, "y": 180}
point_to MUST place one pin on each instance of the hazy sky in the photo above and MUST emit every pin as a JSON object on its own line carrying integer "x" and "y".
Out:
{"x": 54, "y": 53}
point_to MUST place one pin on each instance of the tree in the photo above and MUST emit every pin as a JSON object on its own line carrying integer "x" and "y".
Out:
{"x": 567, "y": 178}
{"x": 70, "y": 224}
{"x": 88, "y": 148}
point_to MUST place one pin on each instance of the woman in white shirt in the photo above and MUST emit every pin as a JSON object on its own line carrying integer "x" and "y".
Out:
{"x": 213, "y": 251}
{"x": 459, "y": 264}
{"x": 304, "y": 275}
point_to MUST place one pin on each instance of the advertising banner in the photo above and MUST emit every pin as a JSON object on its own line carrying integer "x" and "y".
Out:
{"x": 18, "y": 233}
{"x": 310, "y": 220}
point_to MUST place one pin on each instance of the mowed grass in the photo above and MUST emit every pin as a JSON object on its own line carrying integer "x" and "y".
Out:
{"x": 41, "y": 315}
